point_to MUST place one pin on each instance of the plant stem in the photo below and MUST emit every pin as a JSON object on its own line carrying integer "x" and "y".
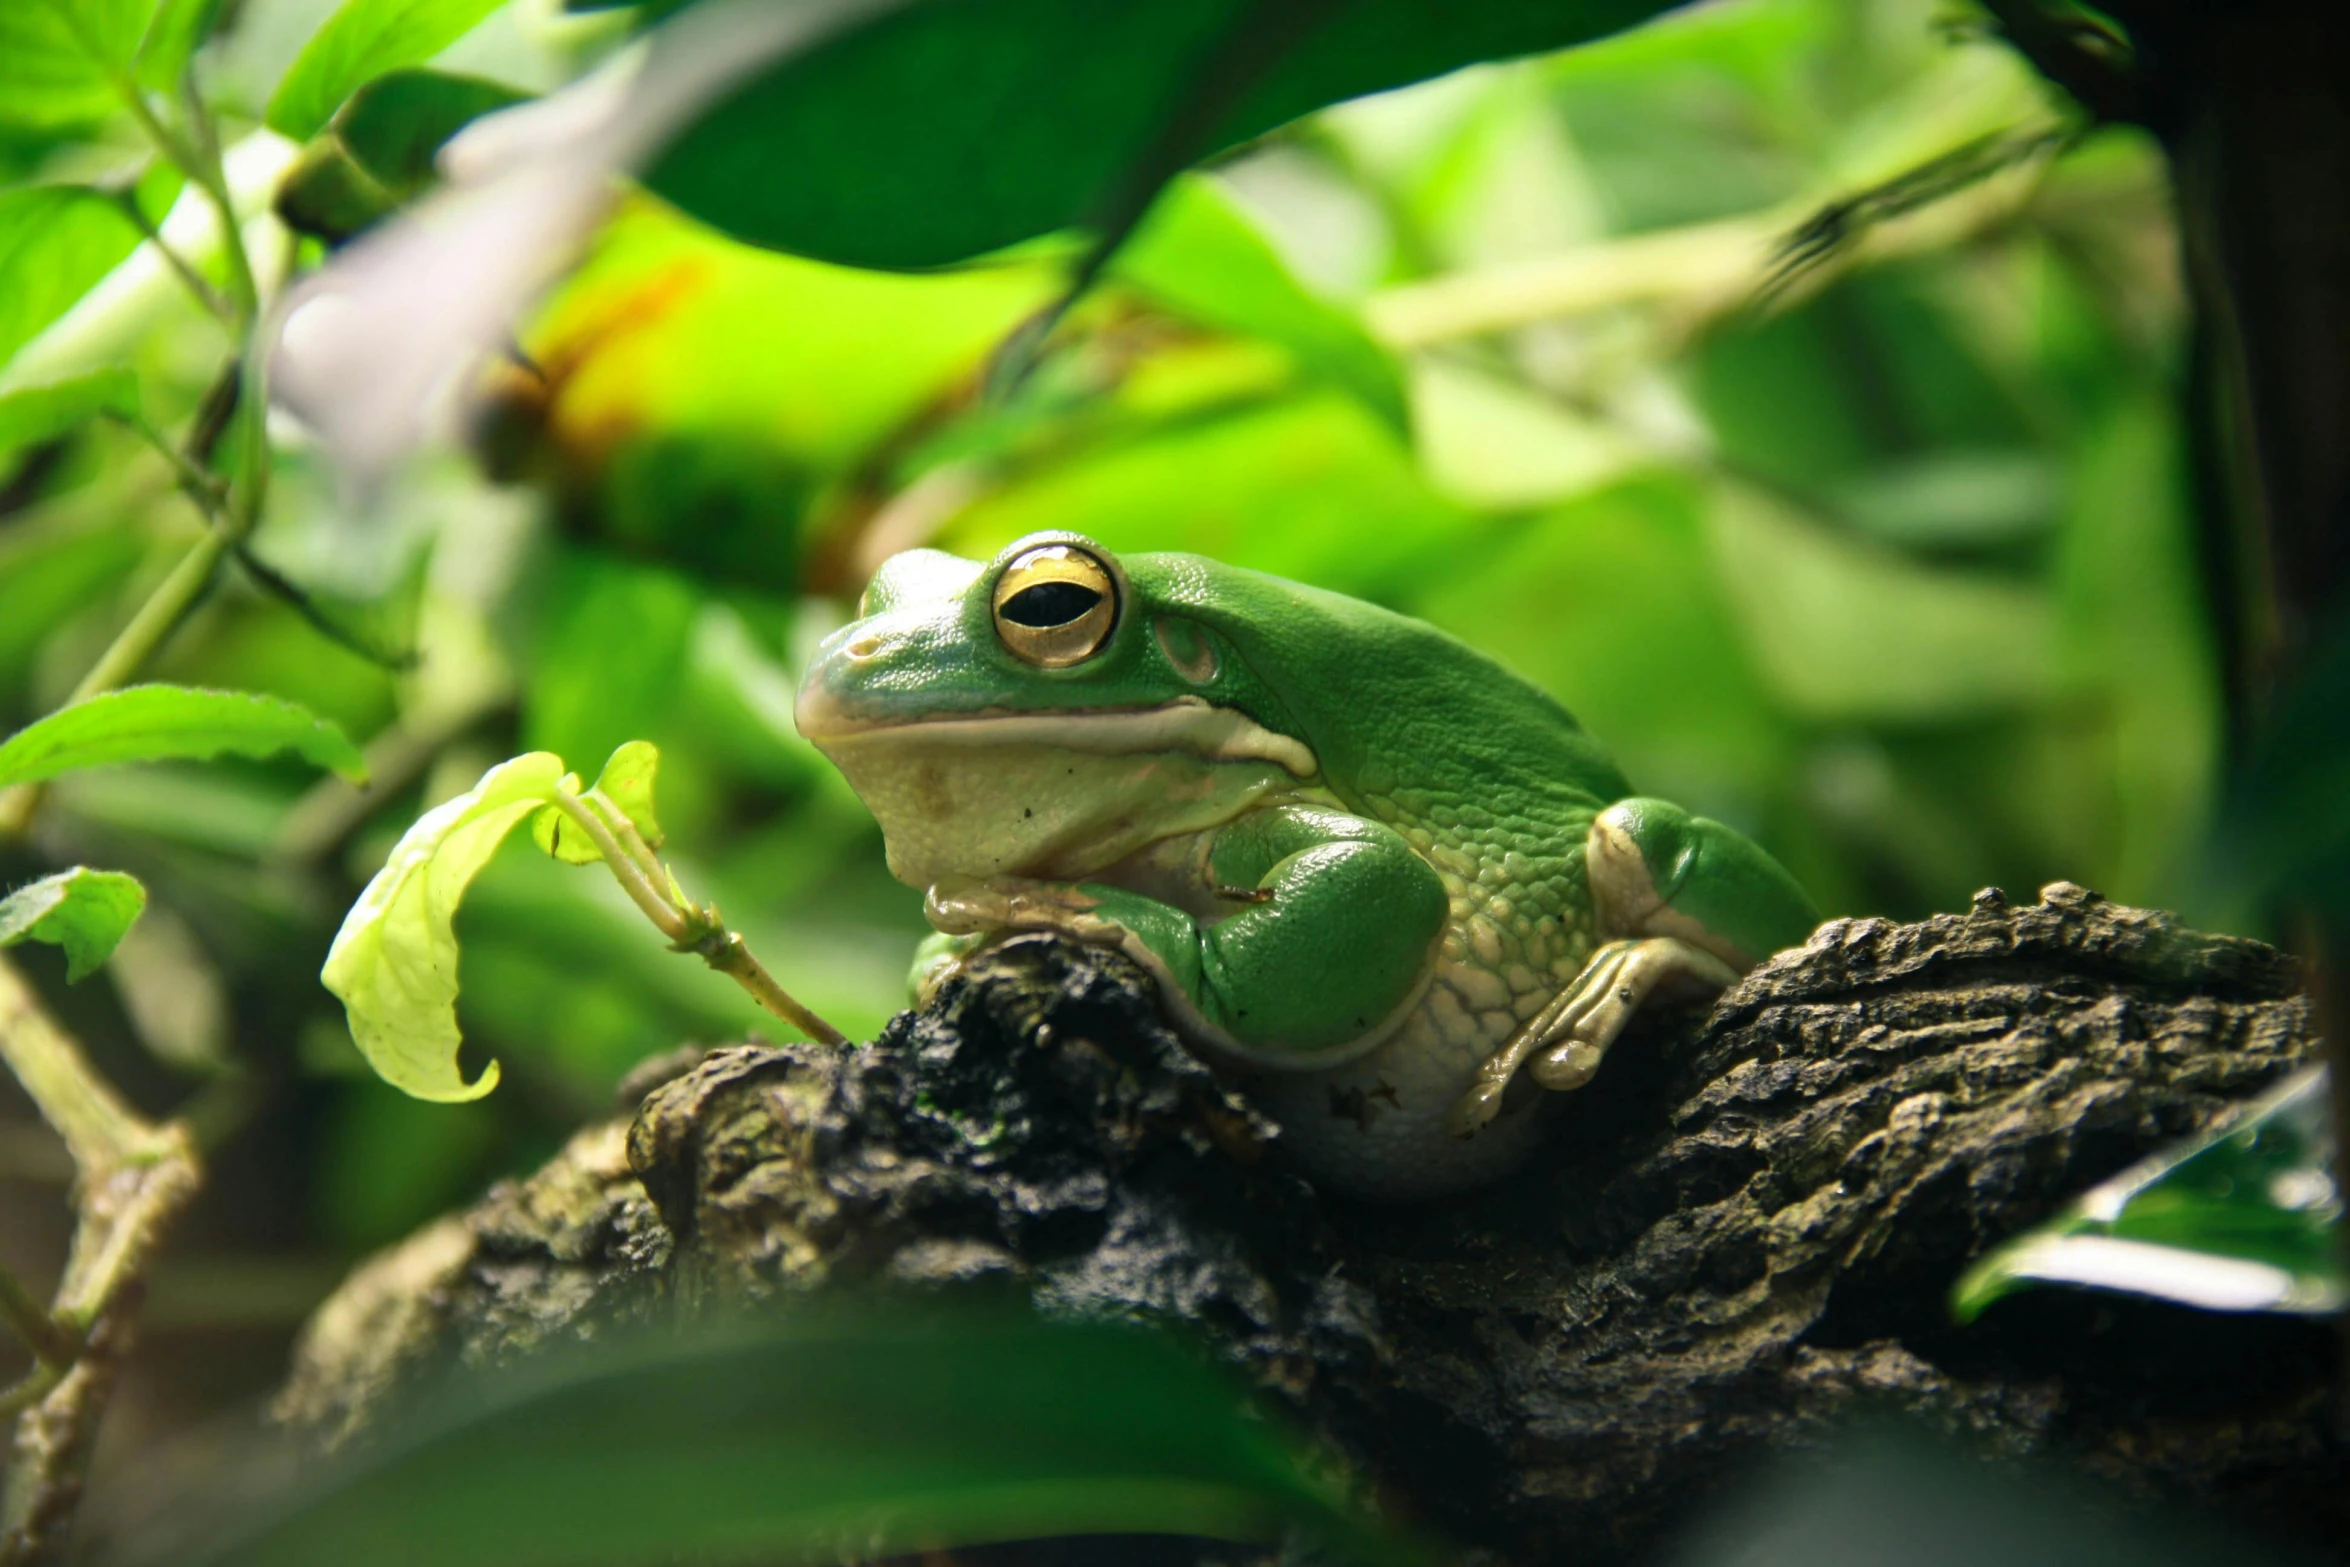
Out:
{"x": 50, "y": 1343}
{"x": 724, "y": 951}
{"x": 697, "y": 930}
{"x": 210, "y": 298}
{"x": 642, "y": 892}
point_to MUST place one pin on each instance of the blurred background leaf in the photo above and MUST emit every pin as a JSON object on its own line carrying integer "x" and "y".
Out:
{"x": 838, "y": 1436}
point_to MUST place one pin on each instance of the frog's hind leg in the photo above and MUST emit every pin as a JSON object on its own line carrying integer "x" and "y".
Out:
{"x": 1692, "y": 906}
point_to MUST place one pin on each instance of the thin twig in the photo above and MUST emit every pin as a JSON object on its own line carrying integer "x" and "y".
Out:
{"x": 132, "y": 1179}
{"x": 295, "y": 597}
{"x": 625, "y": 869}
{"x": 31, "y": 1321}
{"x": 214, "y": 302}
{"x": 724, "y": 951}
{"x": 698, "y": 930}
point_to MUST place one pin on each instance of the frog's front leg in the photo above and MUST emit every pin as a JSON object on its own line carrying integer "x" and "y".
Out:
{"x": 1692, "y": 906}
{"x": 1332, "y": 932}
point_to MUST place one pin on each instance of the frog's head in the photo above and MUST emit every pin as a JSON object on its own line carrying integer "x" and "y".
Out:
{"x": 1045, "y": 713}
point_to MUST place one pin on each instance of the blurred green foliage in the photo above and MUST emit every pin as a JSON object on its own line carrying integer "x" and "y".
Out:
{"x": 1883, "y": 560}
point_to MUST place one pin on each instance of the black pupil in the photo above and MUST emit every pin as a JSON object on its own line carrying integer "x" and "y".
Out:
{"x": 1050, "y": 604}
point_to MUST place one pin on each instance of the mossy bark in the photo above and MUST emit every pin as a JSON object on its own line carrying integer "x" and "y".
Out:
{"x": 1739, "y": 1237}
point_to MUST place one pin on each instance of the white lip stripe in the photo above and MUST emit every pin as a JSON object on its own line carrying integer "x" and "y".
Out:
{"x": 1185, "y": 724}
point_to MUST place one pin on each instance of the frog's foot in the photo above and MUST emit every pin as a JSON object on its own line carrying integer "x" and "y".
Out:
{"x": 1562, "y": 1045}
{"x": 938, "y": 958}
{"x": 972, "y": 906}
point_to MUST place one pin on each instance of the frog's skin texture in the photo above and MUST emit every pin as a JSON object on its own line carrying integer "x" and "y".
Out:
{"x": 1382, "y": 880}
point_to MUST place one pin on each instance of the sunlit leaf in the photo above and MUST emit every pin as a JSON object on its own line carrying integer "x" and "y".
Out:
{"x": 377, "y": 153}
{"x": 1201, "y": 258}
{"x": 175, "y": 32}
{"x": 626, "y": 781}
{"x": 84, "y": 911}
{"x": 55, "y": 241}
{"x": 161, "y": 723}
{"x": 2244, "y": 1219}
{"x": 980, "y": 123}
{"x": 394, "y": 962}
{"x": 43, "y": 413}
{"x": 60, "y": 59}
{"x": 840, "y": 1435}
{"x": 360, "y": 42}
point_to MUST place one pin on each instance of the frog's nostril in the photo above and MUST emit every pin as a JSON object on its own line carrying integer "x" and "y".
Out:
{"x": 865, "y": 646}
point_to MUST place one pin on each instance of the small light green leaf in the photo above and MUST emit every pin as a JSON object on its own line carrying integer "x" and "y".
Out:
{"x": 394, "y": 962}
{"x": 360, "y": 42}
{"x": 42, "y": 413}
{"x": 2243, "y": 1219}
{"x": 84, "y": 911}
{"x": 627, "y": 781}
{"x": 158, "y": 723}
{"x": 556, "y": 834}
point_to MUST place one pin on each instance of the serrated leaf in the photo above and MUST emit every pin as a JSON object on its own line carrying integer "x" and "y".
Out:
{"x": 360, "y": 42}
{"x": 394, "y": 962}
{"x": 2242, "y": 1219}
{"x": 33, "y": 414}
{"x": 858, "y": 1432}
{"x": 84, "y": 911}
{"x": 156, "y": 723}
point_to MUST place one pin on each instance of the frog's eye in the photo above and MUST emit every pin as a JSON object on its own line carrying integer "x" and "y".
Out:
{"x": 1055, "y": 606}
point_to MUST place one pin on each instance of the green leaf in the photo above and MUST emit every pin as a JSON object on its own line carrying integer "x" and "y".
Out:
{"x": 377, "y": 154}
{"x": 84, "y": 911}
{"x": 394, "y": 962}
{"x": 360, "y": 42}
{"x": 853, "y": 1433}
{"x": 55, "y": 242}
{"x": 60, "y": 60}
{"x": 980, "y": 123}
{"x": 160, "y": 723}
{"x": 33, "y": 414}
{"x": 626, "y": 781}
{"x": 1200, "y": 257}
{"x": 172, "y": 37}
{"x": 2242, "y": 1219}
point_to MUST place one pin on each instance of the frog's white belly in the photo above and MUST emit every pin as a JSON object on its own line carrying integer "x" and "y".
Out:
{"x": 1376, "y": 1127}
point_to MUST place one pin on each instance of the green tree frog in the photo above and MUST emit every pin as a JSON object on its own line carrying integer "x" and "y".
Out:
{"x": 1382, "y": 881}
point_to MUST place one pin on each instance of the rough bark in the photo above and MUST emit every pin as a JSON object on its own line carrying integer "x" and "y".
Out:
{"x": 1742, "y": 1234}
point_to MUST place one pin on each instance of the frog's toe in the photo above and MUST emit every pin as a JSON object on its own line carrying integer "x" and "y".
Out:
{"x": 1563, "y": 1045}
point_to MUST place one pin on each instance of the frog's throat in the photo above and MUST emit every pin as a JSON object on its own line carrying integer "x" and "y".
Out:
{"x": 1187, "y": 724}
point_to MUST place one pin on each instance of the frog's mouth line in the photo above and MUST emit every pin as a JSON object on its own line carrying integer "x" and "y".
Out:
{"x": 1186, "y": 724}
